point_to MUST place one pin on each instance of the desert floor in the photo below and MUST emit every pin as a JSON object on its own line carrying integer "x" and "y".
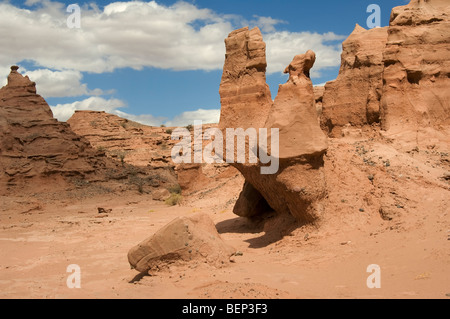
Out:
{"x": 40, "y": 237}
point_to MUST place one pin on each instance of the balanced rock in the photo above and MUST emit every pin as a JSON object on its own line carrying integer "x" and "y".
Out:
{"x": 294, "y": 114}
{"x": 185, "y": 239}
{"x": 354, "y": 97}
{"x": 246, "y": 103}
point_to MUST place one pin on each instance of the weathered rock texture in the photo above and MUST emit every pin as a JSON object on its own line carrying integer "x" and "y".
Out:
{"x": 35, "y": 145}
{"x": 318, "y": 97}
{"x": 185, "y": 239}
{"x": 244, "y": 94}
{"x": 398, "y": 76}
{"x": 148, "y": 148}
{"x": 246, "y": 103}
{"x": 354, "y": 97}
{"x": 294, "y": 114}
{"x": 416, "y": 91}
{"x": 122, "y": 139}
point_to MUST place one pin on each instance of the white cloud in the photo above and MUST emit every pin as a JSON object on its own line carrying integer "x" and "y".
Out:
{"x": 142, "y": 34}
{"x": 136, "y": 35}
{"x": 186, "y": 118}
{"x": 65, "y": 83}
{"x": 281, "y": 48}
{"x": 63, "y": 112}
{"x": 146, "y": 119}
{"x": 266, "y": 24}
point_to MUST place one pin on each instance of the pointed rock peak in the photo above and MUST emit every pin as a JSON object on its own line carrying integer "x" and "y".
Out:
{"x": 15, "y": 80}
{"x": 358, "y": 29}
{"x": 256, "y": 30}
{"x": 301, "y": 64}
{"x": 233, "y": 33}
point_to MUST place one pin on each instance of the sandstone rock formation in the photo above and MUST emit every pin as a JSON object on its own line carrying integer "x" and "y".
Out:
{"x": 318, "y": 97}
{"x": 245, "y": 97}
{"x": 354, "y": 97}
{"x": 416, "y": 94}
{"x": 294, "y": 114}
{"x": 126, "y": 140}
{"x": 397, "y": 75}
{"x": 149, "y": 149}
{"x": 244, "y": 94}
{"x": 185, "y": 239}
{"x": 34, "y": 145}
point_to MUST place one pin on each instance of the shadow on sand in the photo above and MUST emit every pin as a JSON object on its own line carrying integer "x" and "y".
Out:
{"x": 274, "y": 228}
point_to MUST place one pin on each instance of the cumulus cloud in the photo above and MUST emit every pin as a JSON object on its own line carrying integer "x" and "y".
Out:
{"x": 65, "y": 83}
{"x": 281, "y": 47}
{"x": 186, "y": 118}
{"x": 178, "y": 37}
{"x": 266, "y": 24}
{"x": 146, "y": 119}
{"x": 63, "y": 112}
{"x": 136, "y": 35}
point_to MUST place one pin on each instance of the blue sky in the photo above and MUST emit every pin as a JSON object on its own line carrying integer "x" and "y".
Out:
{"x": 161, "y": 61}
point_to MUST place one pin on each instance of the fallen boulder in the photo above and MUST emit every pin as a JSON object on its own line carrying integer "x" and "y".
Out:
{"x": 185, "y": 239}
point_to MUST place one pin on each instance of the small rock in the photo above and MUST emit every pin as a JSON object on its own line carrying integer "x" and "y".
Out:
{"x": 104, "y": 211}
{"x": 361, "y": 210}
{"x": 239, "y": 253}
{"x": 387, "y": 213}
{"x": 346, "y": 242}
{"x": 160, "y": 194}
{"x": 370, "y": 177}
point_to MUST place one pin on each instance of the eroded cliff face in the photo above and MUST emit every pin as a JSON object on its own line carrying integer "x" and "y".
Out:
{"x": 149, "y": 148}
{"x": 416, "y": 94}
{"x": 34, "y": 145}
{"x": 298, "y": 184}
{"x": 397, "y": 75}
{"x": 354, "y": 97}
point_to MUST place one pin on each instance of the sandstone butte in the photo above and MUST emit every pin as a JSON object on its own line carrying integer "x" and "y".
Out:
{"x": 354, "y": 97}
{"x": 397, "y": 76}
{"x": 36, "y": 147}
{"x": 415, "y": 102}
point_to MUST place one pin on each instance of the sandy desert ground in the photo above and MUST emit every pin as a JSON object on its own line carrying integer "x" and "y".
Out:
{"x": 41, "y": 235}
